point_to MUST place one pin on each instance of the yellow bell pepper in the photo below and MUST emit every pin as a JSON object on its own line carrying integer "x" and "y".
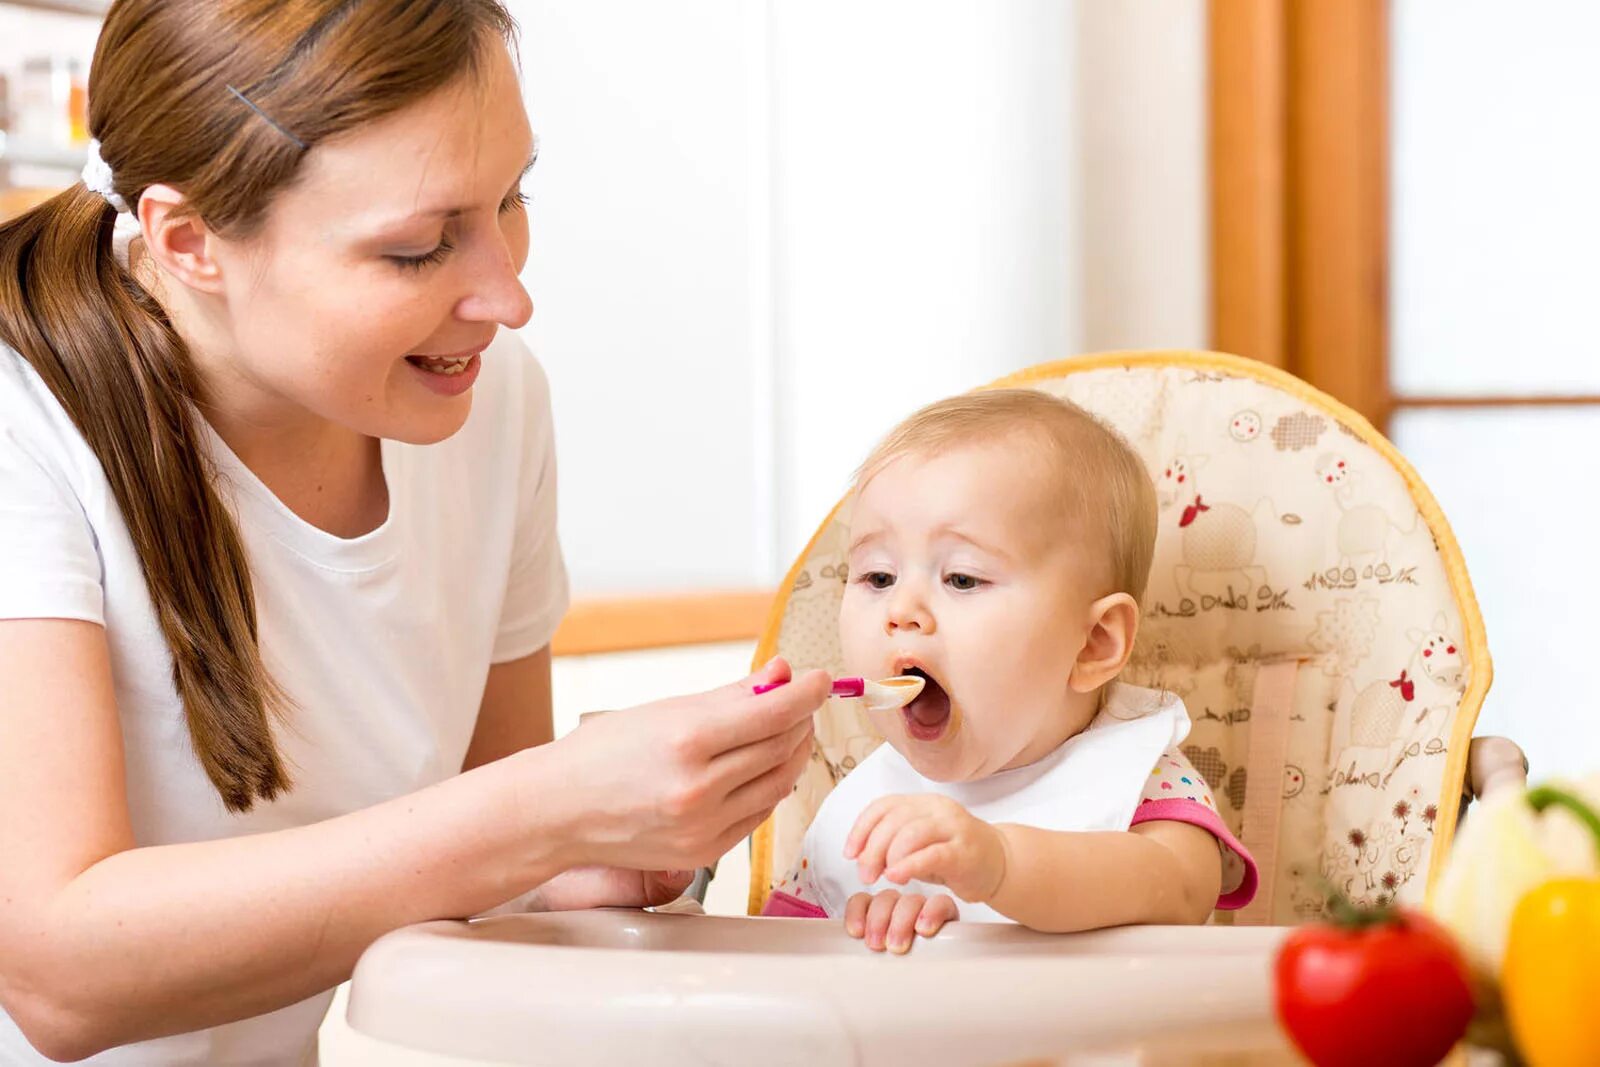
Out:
{"x": 1550, "y": 980}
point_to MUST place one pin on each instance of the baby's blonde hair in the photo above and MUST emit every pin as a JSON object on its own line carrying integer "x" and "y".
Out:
{"x": 1104, "y": 484}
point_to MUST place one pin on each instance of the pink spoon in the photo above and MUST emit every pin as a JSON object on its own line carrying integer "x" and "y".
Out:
{"x": 886, "y": 694}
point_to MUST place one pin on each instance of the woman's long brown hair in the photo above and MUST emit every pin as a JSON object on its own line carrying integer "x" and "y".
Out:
{"x": 165, "y": 104}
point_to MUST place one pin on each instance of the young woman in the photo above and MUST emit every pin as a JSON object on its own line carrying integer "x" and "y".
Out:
{"x": 278, "y": 556}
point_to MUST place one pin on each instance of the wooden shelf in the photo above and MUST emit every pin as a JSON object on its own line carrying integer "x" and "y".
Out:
{"x": 96, "y": 8}
{"x": 14, "y": 202}
{"x": 664, "y": 620}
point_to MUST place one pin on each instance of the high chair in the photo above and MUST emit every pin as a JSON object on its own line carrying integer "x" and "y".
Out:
{"x": 1307, "y": 601}
{"x": 1310, "y": 605}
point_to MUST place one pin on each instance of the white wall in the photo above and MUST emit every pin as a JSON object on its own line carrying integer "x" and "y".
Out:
{"x": 766, "y": 229}
{"x": 1142, "y": 127}
{"x": 641, "y": 270}
{"x": 1493, "y": 175}
{"x": 926, "y": 223}
{"x": 1493, "y": 275}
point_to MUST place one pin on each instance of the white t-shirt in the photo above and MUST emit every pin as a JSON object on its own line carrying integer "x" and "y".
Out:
{"x": 383, "y": 642}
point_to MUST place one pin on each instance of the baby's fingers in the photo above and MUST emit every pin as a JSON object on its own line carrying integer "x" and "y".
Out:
{"x": 903, "y": 922}
{"x": 935, "y": 913}
{"x": 932, "y": 865}
{"x": 855, "y": 914}
{"x": 879, "y": 912}
{"x": 870, "y": 860}
{"x": 866, "y": 822}
{"x": 911, "y": 838}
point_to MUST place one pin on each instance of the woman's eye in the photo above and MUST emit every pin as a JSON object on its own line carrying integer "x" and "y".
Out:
{"x": 877, "y": 579}
{"x": 962, "y": 582}
{"x": 427, "y": 259}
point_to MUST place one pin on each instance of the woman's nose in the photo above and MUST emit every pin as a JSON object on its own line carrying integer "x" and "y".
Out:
{"x": 497, "y": 293}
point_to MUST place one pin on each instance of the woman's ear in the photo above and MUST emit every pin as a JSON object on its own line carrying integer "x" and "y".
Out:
{"x": 179, "y": 240}
{"x": 1113, "y": 624}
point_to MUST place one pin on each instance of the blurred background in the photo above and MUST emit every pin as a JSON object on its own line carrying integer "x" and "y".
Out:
{"x": 766, "y": 229}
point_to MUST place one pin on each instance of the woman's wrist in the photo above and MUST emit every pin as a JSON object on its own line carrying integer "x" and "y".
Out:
{"x": 540, "y": 813}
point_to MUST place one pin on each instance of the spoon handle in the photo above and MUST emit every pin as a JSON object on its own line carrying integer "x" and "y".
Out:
{"x": 842, "y": 687}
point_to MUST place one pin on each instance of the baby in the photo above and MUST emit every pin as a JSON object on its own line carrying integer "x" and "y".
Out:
{"x": 999, "y": 546}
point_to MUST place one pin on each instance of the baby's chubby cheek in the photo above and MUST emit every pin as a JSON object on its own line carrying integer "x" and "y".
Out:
{"x": 862, "y": 650}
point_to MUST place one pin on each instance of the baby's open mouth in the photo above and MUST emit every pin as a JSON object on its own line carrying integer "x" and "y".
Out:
{"x": 928, "y": 716}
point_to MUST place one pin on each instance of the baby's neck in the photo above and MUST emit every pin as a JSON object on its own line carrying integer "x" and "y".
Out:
{"x": 1080, "y": 712}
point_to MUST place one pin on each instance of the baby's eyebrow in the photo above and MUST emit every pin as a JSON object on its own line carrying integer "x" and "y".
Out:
{"x": 952, "y": 532}
{"x": 865, "y": 539}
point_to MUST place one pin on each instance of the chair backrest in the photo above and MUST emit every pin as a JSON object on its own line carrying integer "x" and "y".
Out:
{"x": 1308, "y": 602}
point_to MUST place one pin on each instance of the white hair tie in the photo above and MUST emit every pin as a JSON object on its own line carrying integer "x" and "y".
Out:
{"x": 122, "y": 235}
{"x": 98, "y": 177}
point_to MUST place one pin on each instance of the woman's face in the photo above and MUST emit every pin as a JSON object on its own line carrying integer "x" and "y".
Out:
{"x": 397, "y": 242}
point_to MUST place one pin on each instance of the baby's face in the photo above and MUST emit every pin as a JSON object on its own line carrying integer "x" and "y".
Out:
{"x": 964, "y": 569}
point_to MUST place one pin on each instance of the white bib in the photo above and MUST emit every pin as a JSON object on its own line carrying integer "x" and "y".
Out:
{"x": 1092, "y": 782}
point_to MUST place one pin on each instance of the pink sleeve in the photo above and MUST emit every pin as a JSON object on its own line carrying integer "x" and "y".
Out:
{"x": 796, "y": 896}
{"x": 782, "y": 905}
{"x": 1175, "y": 792}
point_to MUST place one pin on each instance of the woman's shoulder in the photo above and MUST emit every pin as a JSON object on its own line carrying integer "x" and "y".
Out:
{"x": 20, "y": 389}
{"x": 31, "y": 418}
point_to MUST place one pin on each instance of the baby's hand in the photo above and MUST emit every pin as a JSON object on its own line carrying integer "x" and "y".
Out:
{"x": 889, "y": 920}
{"x": 929, "y": 838}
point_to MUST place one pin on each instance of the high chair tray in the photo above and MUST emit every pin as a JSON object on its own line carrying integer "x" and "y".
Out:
{"x": 635, "y": 987}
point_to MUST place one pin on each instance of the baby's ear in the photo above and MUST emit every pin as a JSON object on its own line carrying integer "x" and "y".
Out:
{"x": 1113, "y": 625}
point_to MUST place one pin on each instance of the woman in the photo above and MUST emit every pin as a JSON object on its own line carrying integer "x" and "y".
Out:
{"x": 280, "y": 569}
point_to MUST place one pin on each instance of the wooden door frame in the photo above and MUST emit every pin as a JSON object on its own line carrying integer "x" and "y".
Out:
{"x": 1299, "y": 143}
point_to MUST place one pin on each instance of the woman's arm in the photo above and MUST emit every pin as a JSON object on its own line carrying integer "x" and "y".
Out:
{"x": 515, "y": 712}
{"x": 103, "y": 943}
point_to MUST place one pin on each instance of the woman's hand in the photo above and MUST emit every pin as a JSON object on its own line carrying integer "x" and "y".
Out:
{"x": 673, "y": 785}
{"x": 612, "y": 887}
{"x": 929, "y": 838}
{"x": 888, "y": 920}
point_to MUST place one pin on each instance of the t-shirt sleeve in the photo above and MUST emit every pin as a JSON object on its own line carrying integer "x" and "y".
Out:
{"x": 536, "y": 590}
{"x": 1174, "y": 791}
{"x": 50, "y": 568}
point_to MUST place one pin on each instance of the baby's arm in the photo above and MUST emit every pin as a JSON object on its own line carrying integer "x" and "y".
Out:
{"x": 1167, "y": 868}
{"x": 1158, "y": 872}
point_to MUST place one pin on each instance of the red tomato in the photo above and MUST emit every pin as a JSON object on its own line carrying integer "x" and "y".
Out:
{"x": 1390, "y": 991}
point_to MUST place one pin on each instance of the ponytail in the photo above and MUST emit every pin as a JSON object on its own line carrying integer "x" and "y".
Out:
{"x": 107, "y": 352}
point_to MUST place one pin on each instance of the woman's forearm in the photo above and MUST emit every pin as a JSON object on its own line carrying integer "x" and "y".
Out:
{"x": 166, "y": 939}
